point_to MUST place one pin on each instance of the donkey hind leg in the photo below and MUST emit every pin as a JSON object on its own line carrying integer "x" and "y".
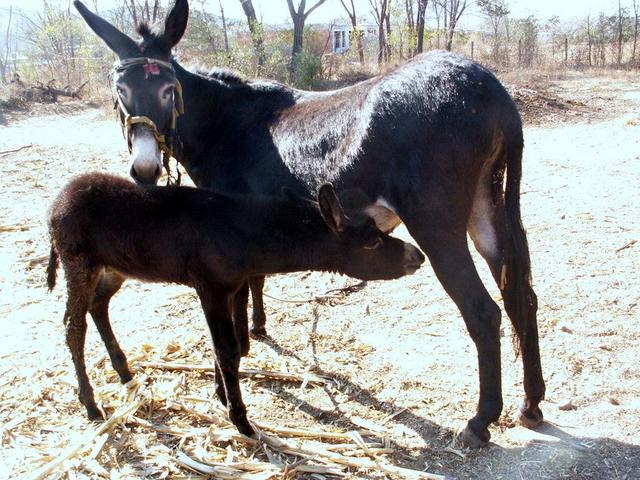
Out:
{"x": 108, "y": 284}
{"x": 445, "y": 244}
{"x": 259, "y": 319}
{"x": 217, "y": 309}
{"x": 240, "y": 319}
{"x": 81, "y": 283}
{"x": 507, "y": 255}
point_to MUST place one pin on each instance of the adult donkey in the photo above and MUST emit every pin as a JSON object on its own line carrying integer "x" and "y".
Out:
{"x": 427, "y": 144}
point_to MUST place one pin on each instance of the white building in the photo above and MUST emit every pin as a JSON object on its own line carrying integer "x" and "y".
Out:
{"x": 341, "y": 35}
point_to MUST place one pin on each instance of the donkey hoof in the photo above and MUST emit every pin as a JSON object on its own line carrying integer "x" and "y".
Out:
{"x": 258, "y": 333}
{"x": 470, "y": 439}
{"x": 529, "y": 417}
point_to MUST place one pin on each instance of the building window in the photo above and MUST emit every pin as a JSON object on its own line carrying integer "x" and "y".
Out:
{"x": 339, "y": 41}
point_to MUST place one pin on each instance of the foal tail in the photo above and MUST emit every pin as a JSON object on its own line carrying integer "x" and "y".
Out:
{"x": 519, "y": 298}
{"x": 52, "y": 268}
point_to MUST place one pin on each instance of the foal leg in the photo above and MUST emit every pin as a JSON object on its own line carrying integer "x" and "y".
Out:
{"x": 259, "y": 318}
{"x": 217, "y": 309}
{"x": 446, "y": 246}
{"x": 504, "y": 247}
{"x": 108, "y": 285}
{"x": 81, "y": 282}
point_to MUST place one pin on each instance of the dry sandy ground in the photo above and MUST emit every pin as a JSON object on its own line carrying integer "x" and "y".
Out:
{"x": 397, "y": 352}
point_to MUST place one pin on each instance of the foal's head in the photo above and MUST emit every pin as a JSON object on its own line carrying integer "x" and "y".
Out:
{"x": 145, "y": 86}
{"x": 358, "y": 248}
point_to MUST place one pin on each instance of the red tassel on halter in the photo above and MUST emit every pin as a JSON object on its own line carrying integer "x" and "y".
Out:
{"x": 150, "y": 68}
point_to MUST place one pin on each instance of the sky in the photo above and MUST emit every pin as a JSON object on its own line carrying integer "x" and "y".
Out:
{"x": 277, "y": 12}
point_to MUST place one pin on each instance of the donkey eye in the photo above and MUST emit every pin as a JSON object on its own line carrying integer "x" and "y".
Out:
{"x": 375, "y": 243}
{"x": 167, "y": 92}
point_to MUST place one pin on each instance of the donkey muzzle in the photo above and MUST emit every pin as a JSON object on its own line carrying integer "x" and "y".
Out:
{"x": 145, "y": 160}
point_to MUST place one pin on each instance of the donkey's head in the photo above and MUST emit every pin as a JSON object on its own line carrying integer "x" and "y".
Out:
{"x": 145, "y": 86}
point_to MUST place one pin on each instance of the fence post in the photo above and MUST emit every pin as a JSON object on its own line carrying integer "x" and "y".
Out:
{"x": 566, "y": 50}
{"x": 472, "y": 50}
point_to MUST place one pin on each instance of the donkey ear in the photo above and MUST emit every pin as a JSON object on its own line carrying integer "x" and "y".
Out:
{"x": 176, "y": 22}
{"x": 121, "y": 44}
{"x": 330, "y": 208}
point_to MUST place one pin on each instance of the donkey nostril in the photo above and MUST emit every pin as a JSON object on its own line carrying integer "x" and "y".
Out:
{"x": 414, "y": 258}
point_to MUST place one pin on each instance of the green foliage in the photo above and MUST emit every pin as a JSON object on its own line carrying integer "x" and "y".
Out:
{"x": 494, "y": 8}
{"x": 308, "y": 69}
{"x": 203, "y": 35}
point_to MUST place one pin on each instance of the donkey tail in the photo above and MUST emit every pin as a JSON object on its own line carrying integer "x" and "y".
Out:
{"x": 520, "y": 300}
{"x": 52, "y": 268}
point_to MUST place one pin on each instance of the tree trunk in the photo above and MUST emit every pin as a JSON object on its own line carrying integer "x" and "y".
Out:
{"x": 156, "y": 6}
{"x": 619, "y": 33}
{"x": 379, "y": 9}
{"x": 298, "y": 38}
{"x": 224, "y": 28}
{"x": 387, "y": 39}
{"x": 299, "y": 18}
{"x": 4, "y": 61}
{"x": 589, "y": 39}
{"x": 437, "y": 12}
{"x": 255, "y": 28}
{"x": 356, "y": 34}
{"x": 411, "y": 22}
{"x": 635, "y": 33}
{"x": 134, "y": 13}
{"x": 420, "y": 16}
{"x": 456, "y": 9}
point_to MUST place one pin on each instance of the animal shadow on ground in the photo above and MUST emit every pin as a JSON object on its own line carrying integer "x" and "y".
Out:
{"x": 549, "y": 452}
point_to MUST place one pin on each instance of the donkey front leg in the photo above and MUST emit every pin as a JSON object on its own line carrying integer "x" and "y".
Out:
{"x": 217, "y": 309}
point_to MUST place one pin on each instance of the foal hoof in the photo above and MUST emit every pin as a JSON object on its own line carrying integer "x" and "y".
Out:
{"x": 94, "y": 414}
{"x": 244, "y": 350}
{"x": 529, "y": 417}
{"x": 242, "y": 424}
{"x": 469, "y": 439}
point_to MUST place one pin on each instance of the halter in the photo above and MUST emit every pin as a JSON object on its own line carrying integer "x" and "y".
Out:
{"x": 168, "y": 144}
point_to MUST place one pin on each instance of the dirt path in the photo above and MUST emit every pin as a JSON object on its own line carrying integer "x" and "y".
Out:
{"x": 401, "y": 362}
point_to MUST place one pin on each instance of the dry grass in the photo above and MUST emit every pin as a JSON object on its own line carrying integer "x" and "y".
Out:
{"x": 158, "y": 410}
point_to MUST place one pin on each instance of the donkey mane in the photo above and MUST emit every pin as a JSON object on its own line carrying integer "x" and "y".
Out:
{"x": 145, "y": 30}
{"x": 152, "y": 37}
{"x": 227, "y": 76}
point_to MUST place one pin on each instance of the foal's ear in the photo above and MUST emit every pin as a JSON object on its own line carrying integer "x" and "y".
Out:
{"x": 330, "y": 208}
{"x": 176, "y": 23}
{"x": 121, "y": 44}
